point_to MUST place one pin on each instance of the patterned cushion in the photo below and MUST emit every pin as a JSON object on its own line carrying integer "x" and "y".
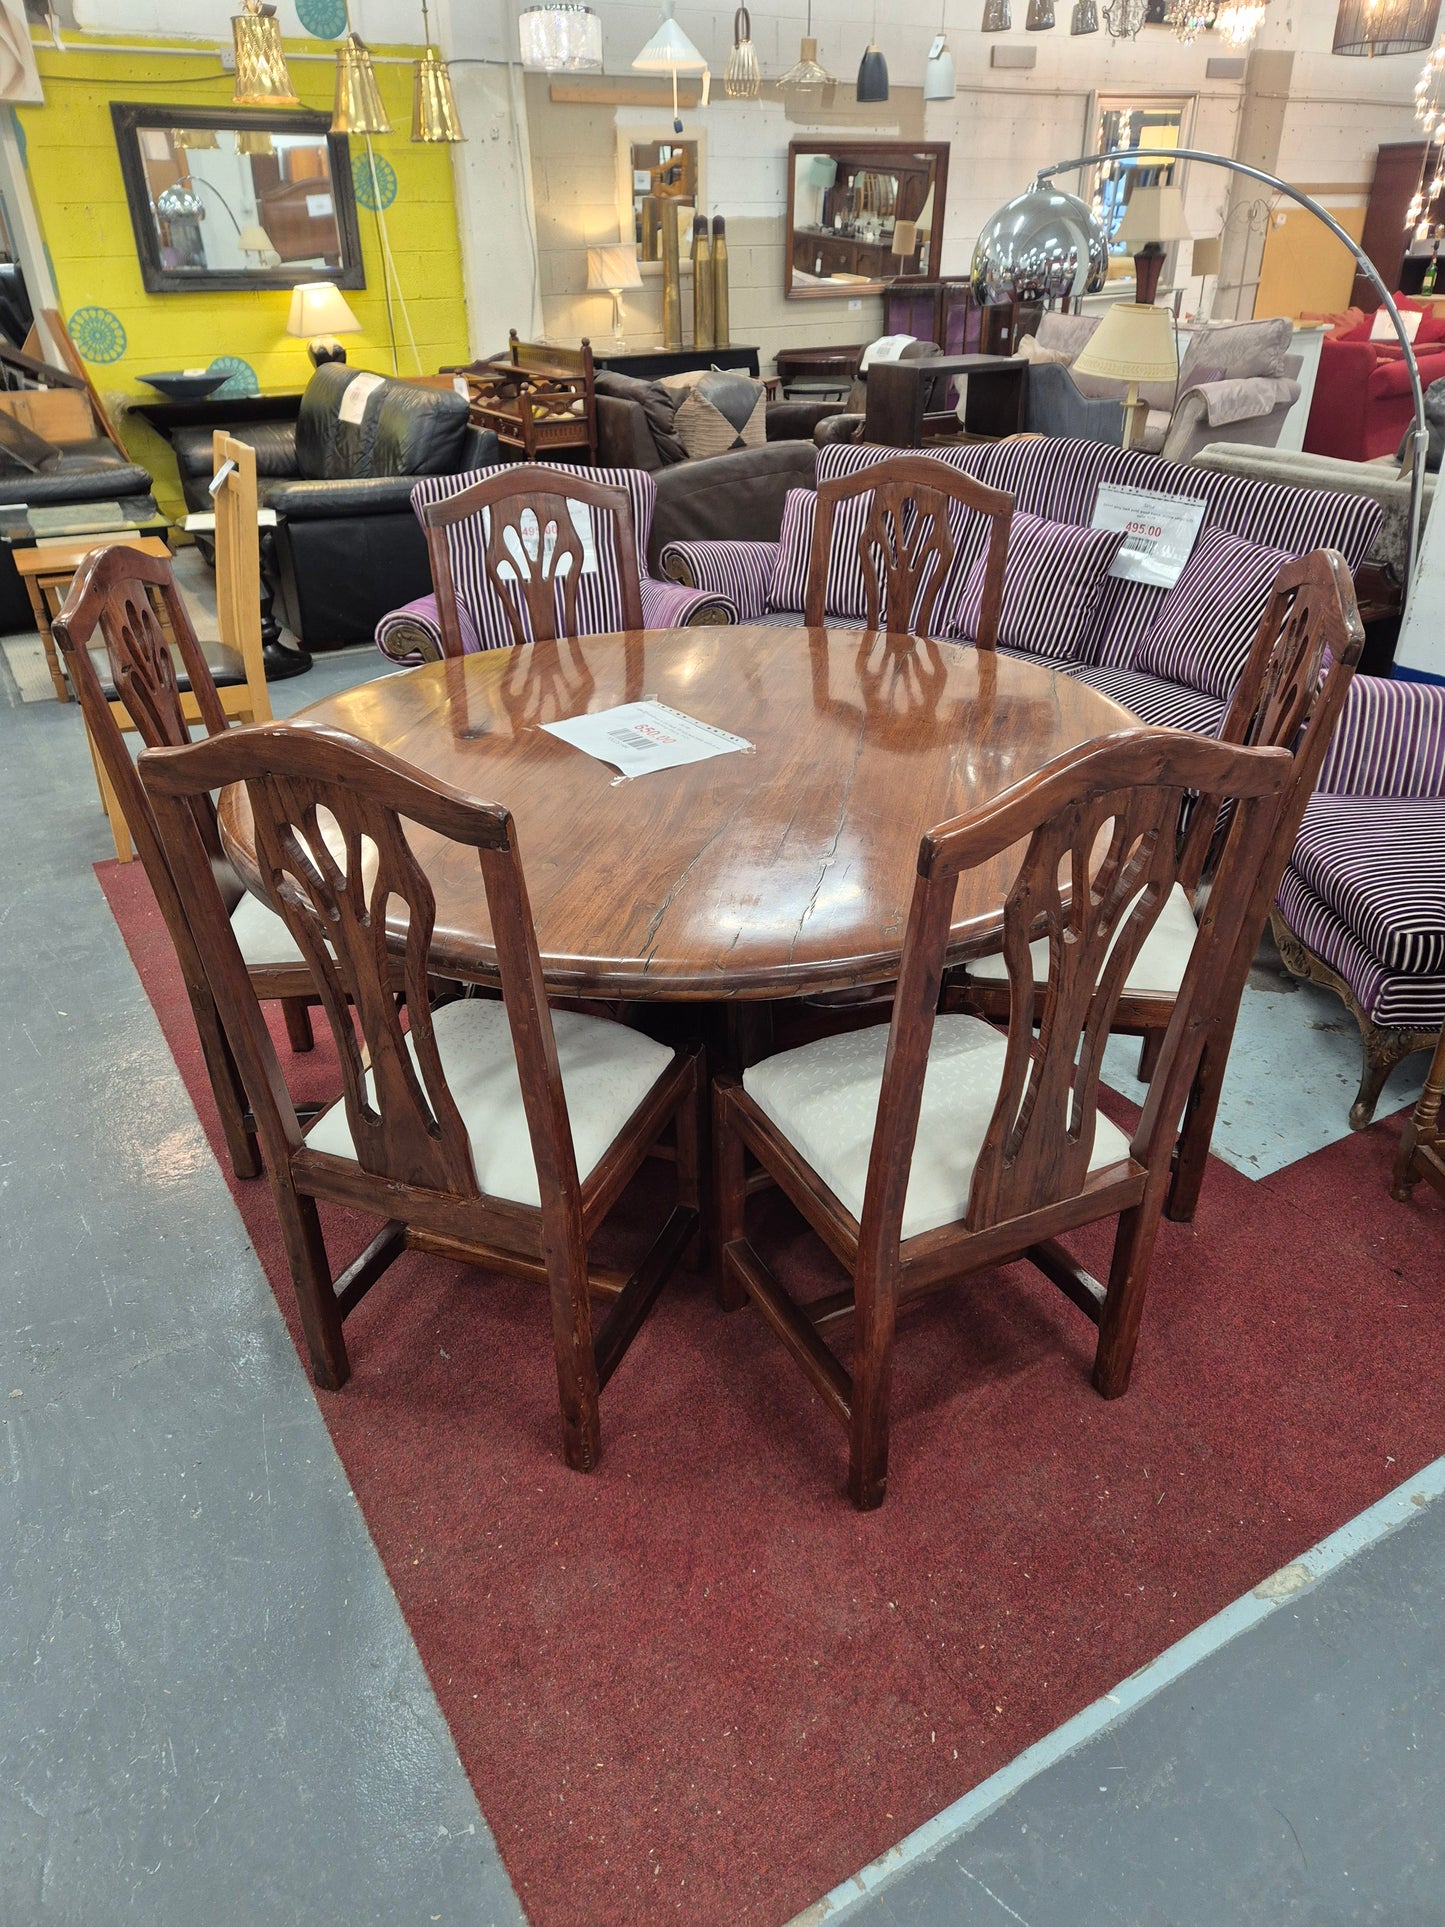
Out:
{"x": 720, "y": 413}
{"x": 844, "y": 594}
{"x": 1390, "y": 997}
{"x": 1051, "y": 582}
{"x": 1379, "y": 863}
{"x": 1390, "y": 740}
{"x": 1164, "y": 704}
{"x": 599, "y": 595}
{"x": 1202, "y": 635}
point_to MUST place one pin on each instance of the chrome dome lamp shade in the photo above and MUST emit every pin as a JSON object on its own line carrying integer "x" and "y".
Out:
{"x": 1039, "y": 246}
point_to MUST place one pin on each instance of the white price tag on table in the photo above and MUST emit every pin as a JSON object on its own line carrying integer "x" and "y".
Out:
{"x": 1160, "y": 531}
{"x": 638, "y": 737}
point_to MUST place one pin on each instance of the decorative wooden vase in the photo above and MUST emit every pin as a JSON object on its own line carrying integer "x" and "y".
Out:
{"x": 702, "y": 317}
{"x": 671, "y": 280}
{"x": 721, "y": 319}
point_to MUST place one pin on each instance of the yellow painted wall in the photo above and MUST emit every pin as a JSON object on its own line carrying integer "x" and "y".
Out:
{"x": 1305, "y": 269}
{"x": 74, "y": 170}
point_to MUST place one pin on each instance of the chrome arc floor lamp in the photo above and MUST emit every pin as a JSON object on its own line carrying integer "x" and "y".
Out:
{"x": 1418, "y": 438}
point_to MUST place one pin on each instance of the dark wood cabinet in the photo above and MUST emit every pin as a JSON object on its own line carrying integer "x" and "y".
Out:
{"x": 1398, "y": 167}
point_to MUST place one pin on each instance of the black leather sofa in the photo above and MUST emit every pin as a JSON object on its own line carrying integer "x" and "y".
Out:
{"x": 86, "y": 472}
{"x": 347, "y": 547}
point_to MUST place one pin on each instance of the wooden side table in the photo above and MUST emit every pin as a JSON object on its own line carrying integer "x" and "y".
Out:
{"x": 47, "y": 572}
{"x": 993, "y": 399}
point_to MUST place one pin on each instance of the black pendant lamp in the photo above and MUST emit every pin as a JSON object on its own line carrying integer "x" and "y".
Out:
{"x": 873, "y": 68}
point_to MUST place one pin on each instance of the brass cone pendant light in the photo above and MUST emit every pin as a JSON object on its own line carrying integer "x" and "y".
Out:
{"x": 434, "y": 116}
{"x": 262, "y": 78}
{"x": 359, "y": 108}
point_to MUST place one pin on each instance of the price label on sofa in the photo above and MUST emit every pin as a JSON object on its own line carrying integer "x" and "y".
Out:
{"x": 1160, "y": 531}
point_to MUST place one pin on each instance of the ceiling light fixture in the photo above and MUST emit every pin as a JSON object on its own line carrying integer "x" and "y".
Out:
{"x": 434, "y": 116}
{"x": 671, "y": 52}
{"x": 561, "y": 39}
{"x": 805, "y": 71}
{"x": 262, "y": 77}
{"x": 1364, "y": 28}
{"x": 743, "y": 79}
{"x": 359, "y": 106}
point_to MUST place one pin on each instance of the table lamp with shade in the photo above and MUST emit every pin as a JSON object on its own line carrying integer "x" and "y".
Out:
{"x": 609, "y": 271}
{"x": 1133, "y": 343}
{"x": 1152, "y": 217}
{"x": 1204, "y": 261}
{"x": 318, "y": 314}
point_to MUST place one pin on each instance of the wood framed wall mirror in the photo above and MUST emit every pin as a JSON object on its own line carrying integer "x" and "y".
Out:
{"x": 862, "y": 214}
{"x": 230, "y": 198}
{"x": 659, "y": 172}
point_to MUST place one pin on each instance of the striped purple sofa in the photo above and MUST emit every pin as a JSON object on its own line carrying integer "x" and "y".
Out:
{"x": 1172, "y": 656}
{"x": 412, "y": 634}
{"x": 1361, "y": 908}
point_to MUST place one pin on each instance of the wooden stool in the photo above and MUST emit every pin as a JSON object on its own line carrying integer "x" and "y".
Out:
{"x": 47, "y": 572}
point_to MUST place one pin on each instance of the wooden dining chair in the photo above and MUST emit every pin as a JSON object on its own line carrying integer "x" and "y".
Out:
{"x": 903, "y": 517}
{"x": 933, "y": 1147}
{"x": 514, "y": 533}
{"x": 238, "y": 573}
{"x": 112, "y": 637}
{"x": 499, "y": 1133}
{"x": 1290, "y": 695}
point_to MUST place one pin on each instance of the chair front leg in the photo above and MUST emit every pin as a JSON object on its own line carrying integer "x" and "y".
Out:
{"x": 729, "y": 1194}
{"x": 1124, "y": 1300}
{"x": 315, "y": 1291}
{"x": 576, "y": 1357}
{"x": 1192, "y": 1153}
{"x": 875, "y": 1317}
{"x": 689, "y": 1139}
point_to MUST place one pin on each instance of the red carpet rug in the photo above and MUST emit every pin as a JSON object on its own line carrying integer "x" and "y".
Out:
{"x": 697, "y": 1686}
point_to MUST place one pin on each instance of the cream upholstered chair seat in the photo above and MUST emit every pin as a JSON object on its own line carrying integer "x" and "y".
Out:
{"x": 607, "y": 1070}
{"x": 261, "y": 936}
{"x": 823, "y": 1097}
{"x": 1158, "y": 969}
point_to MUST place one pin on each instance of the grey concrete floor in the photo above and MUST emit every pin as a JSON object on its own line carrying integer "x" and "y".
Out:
{"x": 211, "y": 1709}
{"x": 1296, "y": 1774}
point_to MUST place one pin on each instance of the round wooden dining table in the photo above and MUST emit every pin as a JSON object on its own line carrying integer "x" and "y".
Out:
{"x": 776, "y": 872}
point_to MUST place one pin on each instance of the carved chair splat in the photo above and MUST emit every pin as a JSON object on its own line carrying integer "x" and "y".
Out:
{"x": 1289, "y": 696}
{"x": 115, "y": 597}
{"x": 519, "y": 522}
{"x": 907, "y": 546}
{"x": 1044, "y": 1163}
{"x": 403, "y": 1142}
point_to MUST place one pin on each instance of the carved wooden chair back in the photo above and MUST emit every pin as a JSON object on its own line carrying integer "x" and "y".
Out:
{"x": 1102, "y": 856}
{"x": 115, "y": 597}
{"x": 1292, "y": 690}
{"x": 906, "y": 544}
{"x": 515, "y": 536}
{"x": 330, "y": 816}
{"x": 119, "y": 596}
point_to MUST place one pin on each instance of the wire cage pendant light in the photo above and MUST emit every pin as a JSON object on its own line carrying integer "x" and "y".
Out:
{"x": 742, "y": 77}
{"x": 262, "y": 76}
{"x": 434, "y": 116}
{"x": 1364, "y": 28}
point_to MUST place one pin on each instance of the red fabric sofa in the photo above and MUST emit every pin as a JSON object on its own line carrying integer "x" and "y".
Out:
{"x": 1362, "y": 404}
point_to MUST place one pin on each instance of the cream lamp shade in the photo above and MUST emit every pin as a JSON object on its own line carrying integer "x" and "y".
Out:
{"x": 1205, "y": 258}
{"x": 253, "y": 239}
{"x": 318, "y": 315}
{"x": 1153, "y": 214}
{"x": 905, "y": 238}
{"x": 1134, "y": 342}
{"x": 610, "y": 270}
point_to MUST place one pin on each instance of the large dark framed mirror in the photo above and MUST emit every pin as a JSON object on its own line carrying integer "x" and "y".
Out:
{"x": 862, "y": 214}
{"x": 237, "y": 197}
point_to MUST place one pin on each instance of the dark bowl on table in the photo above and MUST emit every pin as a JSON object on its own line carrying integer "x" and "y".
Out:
{"x": 179, "y": 387}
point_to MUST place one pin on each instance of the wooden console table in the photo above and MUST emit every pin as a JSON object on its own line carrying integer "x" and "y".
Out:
{"x": 897, "y": 390}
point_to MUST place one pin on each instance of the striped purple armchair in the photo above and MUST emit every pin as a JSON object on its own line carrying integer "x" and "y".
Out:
{"x": 412, "y": 634}
{"x": 1362, "y": 905}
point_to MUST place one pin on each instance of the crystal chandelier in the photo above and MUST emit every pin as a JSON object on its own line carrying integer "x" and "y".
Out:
{"x": 561, "y": 39}
{"x": 1124, "y": 18}
{"x": 1430, "y": 112}
{"x": 1189, "y": 18}
{"x": 1238, "y": 21}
